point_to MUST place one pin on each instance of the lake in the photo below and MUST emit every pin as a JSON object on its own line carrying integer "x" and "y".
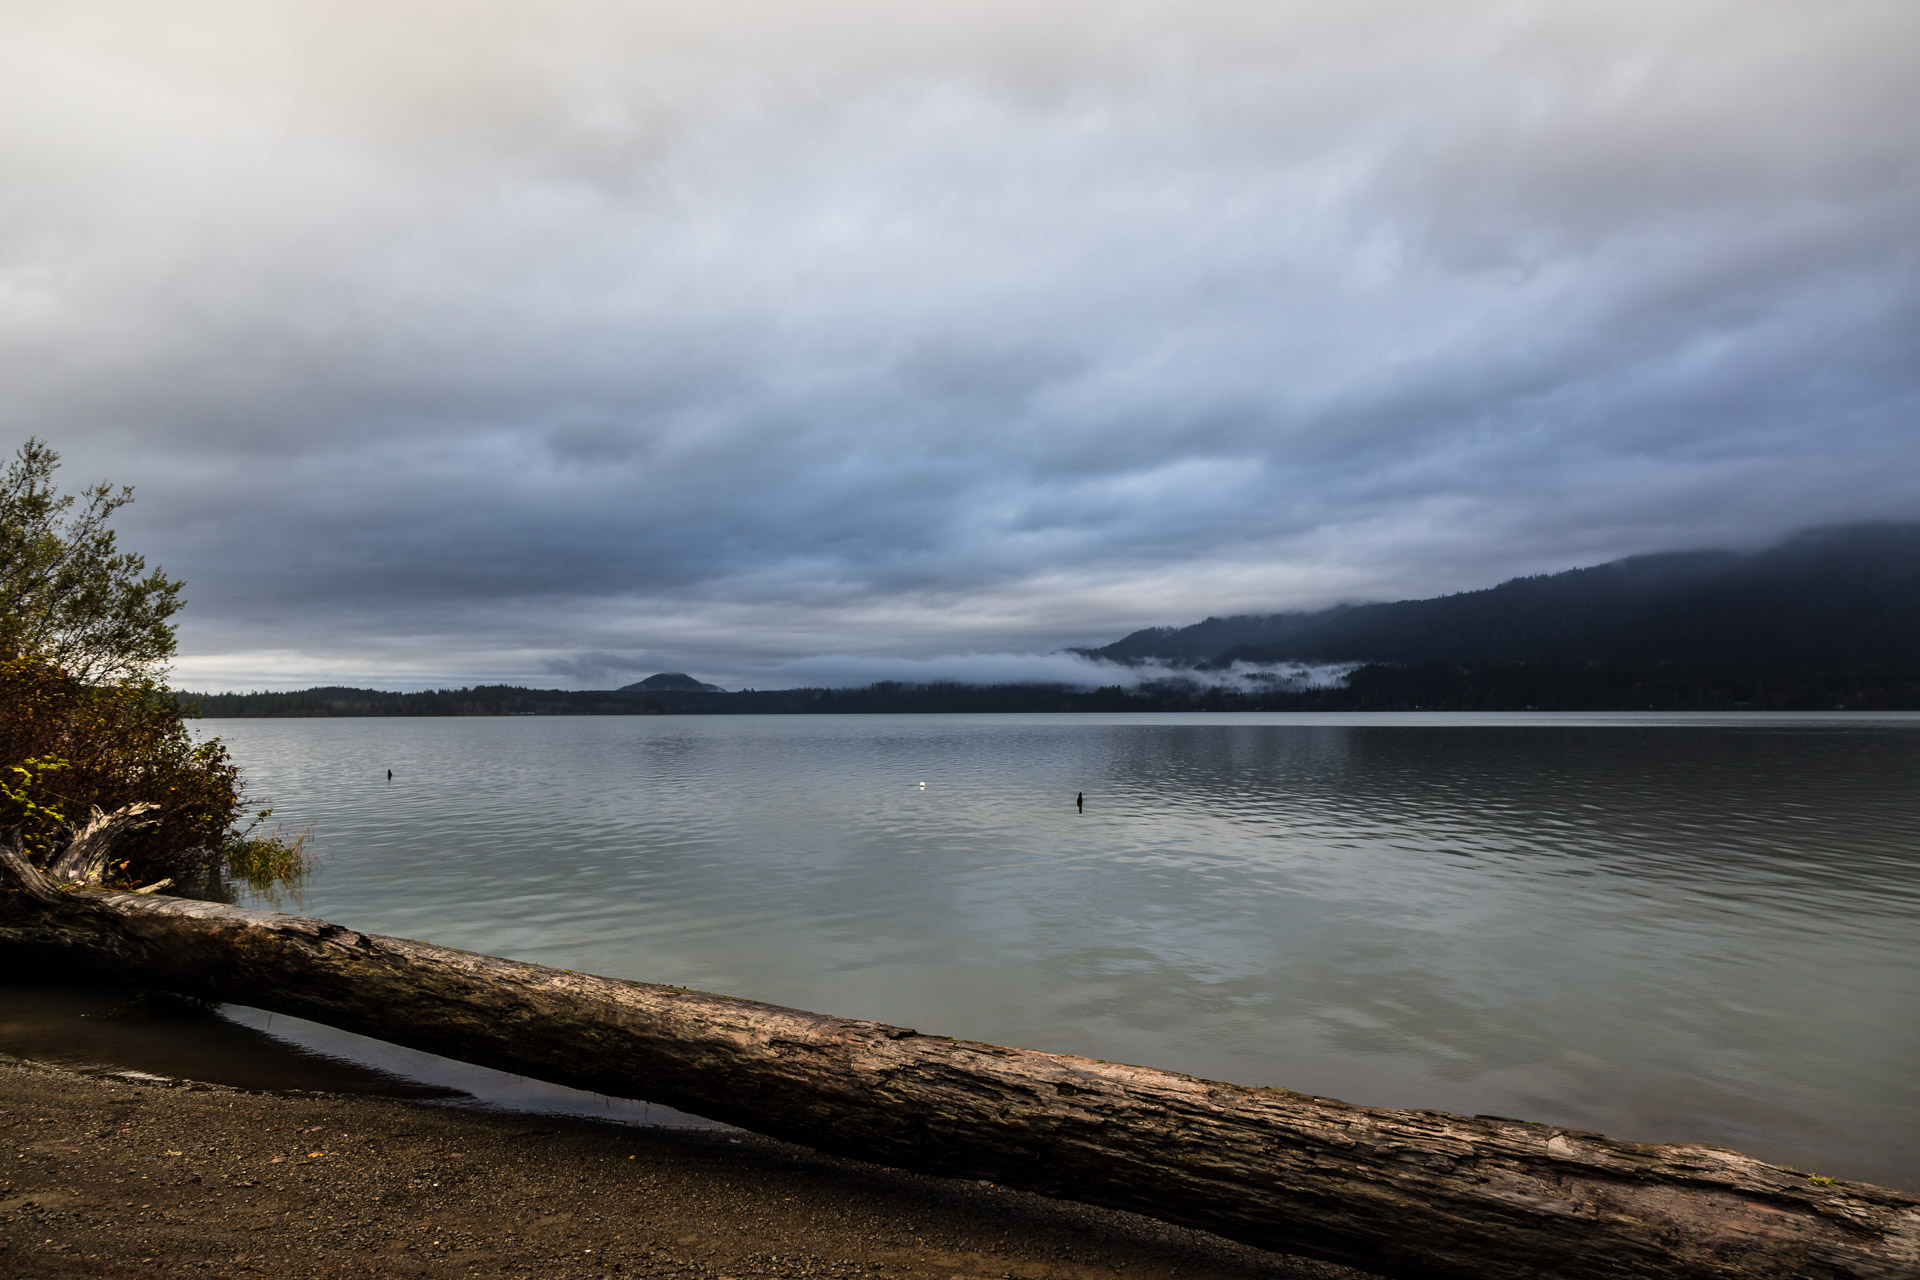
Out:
{"x": 1689, "y": 928}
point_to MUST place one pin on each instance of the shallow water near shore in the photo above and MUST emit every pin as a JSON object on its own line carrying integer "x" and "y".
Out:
{"x": 1662, "y": 928}
{"x": 113, "y": 1031}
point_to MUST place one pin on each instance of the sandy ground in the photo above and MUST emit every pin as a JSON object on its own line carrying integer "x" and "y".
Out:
{"x": 113, "y": 1175}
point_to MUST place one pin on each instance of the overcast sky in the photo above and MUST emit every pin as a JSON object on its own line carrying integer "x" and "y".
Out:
{"x": 565, "y": 342}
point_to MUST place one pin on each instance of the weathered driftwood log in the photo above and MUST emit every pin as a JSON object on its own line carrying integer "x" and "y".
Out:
{"x": 81, "y": 863}
{"x": 1406, "y": 1193}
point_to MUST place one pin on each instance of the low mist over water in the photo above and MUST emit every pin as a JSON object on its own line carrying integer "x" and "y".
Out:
{"x": 1699, "y": 930}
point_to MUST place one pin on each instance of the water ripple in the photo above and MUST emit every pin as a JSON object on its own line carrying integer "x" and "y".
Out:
{"x": 1701, "y": 929}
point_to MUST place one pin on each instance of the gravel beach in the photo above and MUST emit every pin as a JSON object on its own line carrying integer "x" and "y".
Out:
{"x": 111, "y": 1174}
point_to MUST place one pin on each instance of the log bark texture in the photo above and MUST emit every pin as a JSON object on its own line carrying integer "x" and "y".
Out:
{"x": 1403, "y": 1193}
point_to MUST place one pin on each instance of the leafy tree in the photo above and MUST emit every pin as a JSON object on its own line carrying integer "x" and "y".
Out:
{"x": 85, "y": 721}
{"x": 67, "y": 593}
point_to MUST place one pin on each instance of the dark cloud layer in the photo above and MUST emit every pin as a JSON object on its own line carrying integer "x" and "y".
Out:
{"x": 560, "y": 342}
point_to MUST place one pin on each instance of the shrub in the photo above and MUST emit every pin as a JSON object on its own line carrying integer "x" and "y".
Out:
{"x": 85, "y": 634}
{"x": 68, "y": 747}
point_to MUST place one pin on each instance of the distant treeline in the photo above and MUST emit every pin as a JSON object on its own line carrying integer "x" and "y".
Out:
{"x": 481, "y": 700}
{"x": 1438, "y": 686}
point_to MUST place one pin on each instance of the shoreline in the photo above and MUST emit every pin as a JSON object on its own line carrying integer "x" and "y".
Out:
{"x": 122, "y": 1173}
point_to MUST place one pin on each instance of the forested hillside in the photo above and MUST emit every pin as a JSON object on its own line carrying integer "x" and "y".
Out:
{"x": 1837, "y": 596}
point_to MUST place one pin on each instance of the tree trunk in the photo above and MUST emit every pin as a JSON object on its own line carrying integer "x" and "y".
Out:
{"x": 1406, "y": 1193}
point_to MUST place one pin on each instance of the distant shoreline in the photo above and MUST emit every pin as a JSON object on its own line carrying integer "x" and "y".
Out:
{"x": 1433, "y": 686}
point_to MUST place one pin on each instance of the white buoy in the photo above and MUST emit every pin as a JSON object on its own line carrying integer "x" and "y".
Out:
{"x": 923, "y": 786}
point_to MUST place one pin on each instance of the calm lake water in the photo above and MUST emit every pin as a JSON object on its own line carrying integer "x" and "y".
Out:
{"x": 1699, "y": 928}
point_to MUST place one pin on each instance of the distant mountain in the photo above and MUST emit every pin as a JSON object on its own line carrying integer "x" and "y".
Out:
{"x": 1847, "y": 594}
{"x": 1189, "y": 646}
{"x": 670, "y": 682}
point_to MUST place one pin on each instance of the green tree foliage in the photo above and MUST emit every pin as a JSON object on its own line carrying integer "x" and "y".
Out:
{"x": 85, "y": 721}
{"x": 67, "y": 593}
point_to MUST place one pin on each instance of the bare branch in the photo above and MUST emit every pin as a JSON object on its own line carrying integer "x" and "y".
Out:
{"x": 84, "y": 860}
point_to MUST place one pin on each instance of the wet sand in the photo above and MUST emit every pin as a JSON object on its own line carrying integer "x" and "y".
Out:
{"x": 119, "y": 1175}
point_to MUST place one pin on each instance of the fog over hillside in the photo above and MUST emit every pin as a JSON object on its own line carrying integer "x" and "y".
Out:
{"x": 1840, "y": 594}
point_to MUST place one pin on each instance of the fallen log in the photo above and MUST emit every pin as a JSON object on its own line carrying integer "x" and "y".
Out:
{"x": 1403, "y": 1193}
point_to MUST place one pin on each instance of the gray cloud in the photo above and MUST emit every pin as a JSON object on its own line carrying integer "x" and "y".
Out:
{"x": 470, "y": 341}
